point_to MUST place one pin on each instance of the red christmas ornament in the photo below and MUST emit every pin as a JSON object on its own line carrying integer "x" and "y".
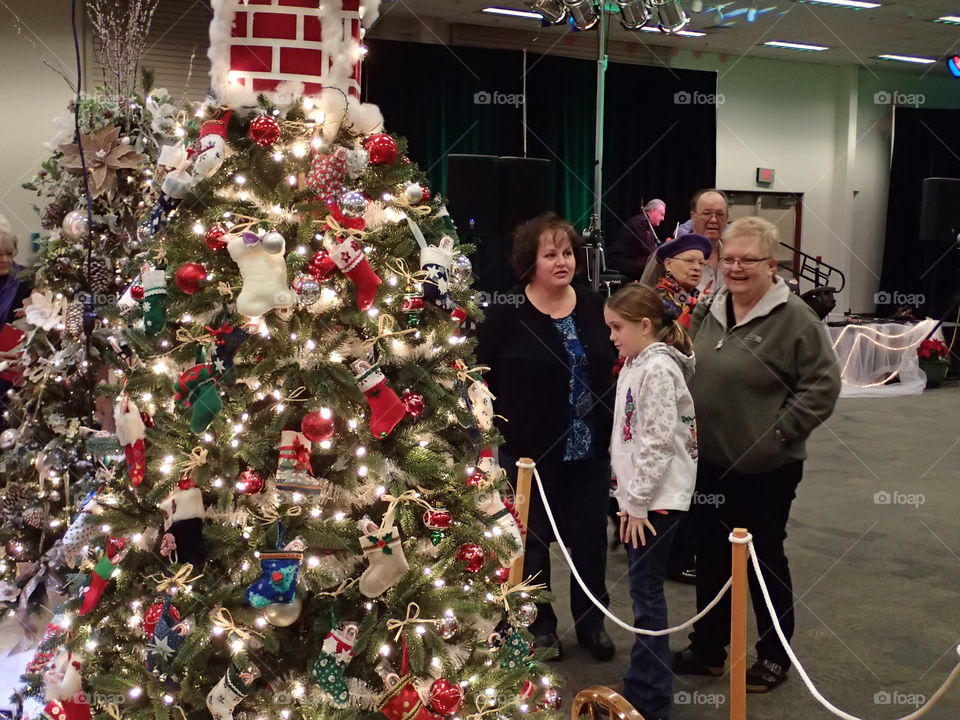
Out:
{"x": 438, "y": 519}
{"x": 213, "y": 237}
{"x": 146, "y": 418}
{"x": 152, "y": 615}
{"x": 477, "y": 478}
{"x": 249, "y": 482}
{"x": 264, "y": 130}
{"x": 321, "y": 265}
{"x": 426, "y": 193}
{"x": 317, "y": 426}
{"x": 413, "y": 402}
{"x": 189, "y": 277}
{"x": 136, "y": 292}
{"x": 445, "y": 697}
{"x": 186, "y": 482}
{"x": 382, "y": 149}
{"x": 501, "y": 574}
{"x": 472, "y": 555}
{"x": 527, "y": 690}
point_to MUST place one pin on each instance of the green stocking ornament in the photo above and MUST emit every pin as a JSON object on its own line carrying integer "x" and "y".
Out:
{"x": 154, "y": 302}
{"x": 330, "y": 666}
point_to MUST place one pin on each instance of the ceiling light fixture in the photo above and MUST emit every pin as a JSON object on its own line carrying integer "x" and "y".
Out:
{"x": 949, "y": 19}
{"x": 552, "y": 11}
{"x": 634, "y": 14}
{"x": 684, "y": 33}
{"x": 906, "y": 59}
{"x": 854, "y": 4}
{"x": 512, "y": 13}
{"x": 794, "y": 46}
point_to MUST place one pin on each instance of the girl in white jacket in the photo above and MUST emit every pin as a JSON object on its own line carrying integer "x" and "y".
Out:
{"x": 654, "y": 457}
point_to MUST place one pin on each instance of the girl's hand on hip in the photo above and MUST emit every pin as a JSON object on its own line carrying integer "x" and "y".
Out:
{"x": 632, "y": 529}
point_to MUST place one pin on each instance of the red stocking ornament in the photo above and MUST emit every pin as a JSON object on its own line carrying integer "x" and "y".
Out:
{"x": 386, "y": 410}
{"x": 100, "y": 577}
{"x": 131, "y": 433}
{"x": 349, "y": 257}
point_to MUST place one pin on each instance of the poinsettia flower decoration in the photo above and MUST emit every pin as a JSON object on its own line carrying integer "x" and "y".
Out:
{"x": 104, "y": 154}
{"x": 932, "y": 349}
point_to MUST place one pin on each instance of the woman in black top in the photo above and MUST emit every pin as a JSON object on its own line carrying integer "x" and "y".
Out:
{"x": 551, "y": 362}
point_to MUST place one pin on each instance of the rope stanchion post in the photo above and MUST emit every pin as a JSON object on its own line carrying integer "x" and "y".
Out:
{"x": 738, "y": 628}
{"x": 522, "y": 506}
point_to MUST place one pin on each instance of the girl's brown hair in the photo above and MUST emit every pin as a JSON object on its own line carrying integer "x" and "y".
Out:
{"x": 634, "y": 302}
{"x": 526, "y": 243}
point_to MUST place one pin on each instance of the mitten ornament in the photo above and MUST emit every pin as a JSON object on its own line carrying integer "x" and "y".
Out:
{"x": 279, "y": 580}
{"x": 169, "y": 635}
{"x": 327, "y": 173}
{"x": 63, "y": 690}
{"x": 211, "y": 147}
{"x": 183, "y": 514}
{"x": 264, "y": 273}
{"x": 154, "y": 303}
{"x": 401, "y": 701}
{"x": 294, "y": 473}
{"x": 435, "y": 261}
{"x": 349, "y": 257}
{"x": 100, "y": 576}
{"x": 384, "y": 551}
{"x": 330, "y": 666}
{"x": 197, "y": 391}
{"x": 386, "y": 409}
{"x": 232, "y": 688}
{"x": 131, "y": 434}
{"x": 80, "y": 532}
{"x": 481, "y": 403}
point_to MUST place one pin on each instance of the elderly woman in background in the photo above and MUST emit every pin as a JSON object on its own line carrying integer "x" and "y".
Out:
{"x": 683, "y": 260}
{"x": 551, "y": 362}
{"x": 13, "y": 291}
{"x": 766, "y": 377}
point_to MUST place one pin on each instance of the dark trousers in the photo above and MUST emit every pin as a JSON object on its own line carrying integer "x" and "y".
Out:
{"x": 684, "y": 547}
{"x": 648, "y": 682}
{"x": 760, "y": 503}
{"x": 578, "y": 494}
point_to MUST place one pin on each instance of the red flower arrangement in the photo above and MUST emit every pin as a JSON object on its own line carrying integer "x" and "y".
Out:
{"x": 933, "y": 350}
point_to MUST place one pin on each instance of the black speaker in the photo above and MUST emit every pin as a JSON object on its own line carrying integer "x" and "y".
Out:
{"x": 939, "y": 244}
{"x": 487, "y": 197}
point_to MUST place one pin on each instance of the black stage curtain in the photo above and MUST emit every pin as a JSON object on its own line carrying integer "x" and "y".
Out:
{"x": 925, "y": 144}
{"x": 654, "y": 147}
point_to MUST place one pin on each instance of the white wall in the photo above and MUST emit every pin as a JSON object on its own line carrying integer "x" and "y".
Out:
{"x": 33, "y": 96}
{"x": 820, "y": 128}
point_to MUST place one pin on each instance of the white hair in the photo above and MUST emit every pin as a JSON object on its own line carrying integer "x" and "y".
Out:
{"x": 655, "y": 204}
{"x": 6, "y": 233}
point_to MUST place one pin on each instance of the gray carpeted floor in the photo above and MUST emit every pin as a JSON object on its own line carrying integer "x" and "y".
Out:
{"x": 877, "y": 585}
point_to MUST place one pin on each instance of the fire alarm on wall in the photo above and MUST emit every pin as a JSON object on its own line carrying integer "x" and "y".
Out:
{"x": 764, "y": 176}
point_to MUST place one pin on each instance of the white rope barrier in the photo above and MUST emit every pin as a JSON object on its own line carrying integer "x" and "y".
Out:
{"x": 919, "y": 712}
{"x": 600, "y": 605}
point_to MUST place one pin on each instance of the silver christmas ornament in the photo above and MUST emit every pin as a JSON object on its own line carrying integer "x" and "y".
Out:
{"x": 308, "y": 289}
{"x": 413, "y": 193}
{"x": 144, "y": 232}
{"x": 353, "y": 203}
{"x": 357, "y": 161}
{"x": 283, "y": 614}
{"x": 8, "y": 438}
{"x": 273, "y": 243}
{"x": 552, "y": 698}
{"x": 525, "y": 614}
{"x": 447, "y": 626}
{"x": 75, "y": 226}
{"x": 461, "y": 270}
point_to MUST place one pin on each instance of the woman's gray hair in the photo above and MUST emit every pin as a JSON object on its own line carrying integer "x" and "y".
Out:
{"x": 764, "y": 230}
{"x": 654, "y": 204}
{"x": 7, "y": 234}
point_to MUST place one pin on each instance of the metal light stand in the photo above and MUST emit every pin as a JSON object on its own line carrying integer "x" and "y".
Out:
{"x": 593, "y": 235}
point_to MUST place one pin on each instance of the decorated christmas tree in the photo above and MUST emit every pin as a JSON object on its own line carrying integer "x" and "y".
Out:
{"x": 92, "y": 190}
{"x": 319, "y": 528}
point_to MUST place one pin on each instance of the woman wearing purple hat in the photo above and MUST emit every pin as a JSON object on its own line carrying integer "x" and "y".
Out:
{"x": 683, "y": 259}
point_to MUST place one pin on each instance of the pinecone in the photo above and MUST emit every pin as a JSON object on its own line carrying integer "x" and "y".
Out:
{"x": 53, "y": 215}
{"x": 99, "y": 276}
{"x": 34, "y": 517}
{"x": 14, "y": 500}
{"x": 75, "y": 319}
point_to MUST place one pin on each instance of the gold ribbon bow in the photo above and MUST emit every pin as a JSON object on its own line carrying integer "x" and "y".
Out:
{"x": 410, "y": 278}
{"x": 222, "y": 619}
{"x": 340, "y": 589}
{"x": 480, "y": 703}
{"x": 526, "y": 586}
{"x": 386, "y": 327}
{"x": 413, "y": 617}
{"x": 112, "y": 710}
{"x": 271, "y": 515}
{"x": 419, "y": 209}
{"x": 197, "y": 457}
{"x": 180, "y": 579}
{"x": 185, "y": 336}
{"x": 225, "y": 289}
{"x": 339, "y": 230}
{"x": 465, "y": 374}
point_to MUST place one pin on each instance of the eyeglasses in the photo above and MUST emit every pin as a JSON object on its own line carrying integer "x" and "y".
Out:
{"x": 746, "y": 262}
{"x": 718, "y": 214}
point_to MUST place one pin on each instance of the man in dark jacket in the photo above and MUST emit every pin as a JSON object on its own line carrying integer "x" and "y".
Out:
{"x": 637, "y": 240}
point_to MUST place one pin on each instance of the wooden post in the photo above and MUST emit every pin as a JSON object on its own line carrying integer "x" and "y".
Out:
{"x": 522, "y": 505}
{"x": 738, "y": 630}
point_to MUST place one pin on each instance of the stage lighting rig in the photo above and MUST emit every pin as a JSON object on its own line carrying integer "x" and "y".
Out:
{"x": 634, "y": 14}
